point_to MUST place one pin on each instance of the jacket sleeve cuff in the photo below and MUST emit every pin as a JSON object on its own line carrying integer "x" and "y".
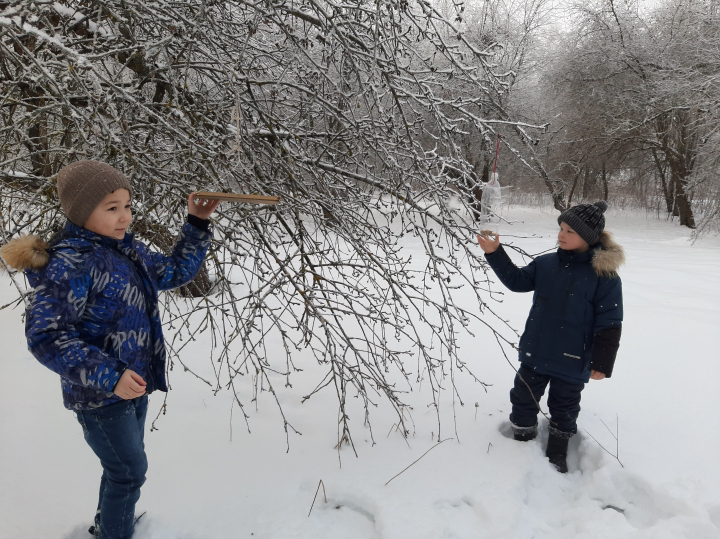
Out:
{"x": 194, "y": 233}
{"x": 498, "y": 258}
{"x": 605, "y": 346}
{"x": 497, "y": 253}
{"x": 197, "y": 222}
{"x": 114, "y": 378}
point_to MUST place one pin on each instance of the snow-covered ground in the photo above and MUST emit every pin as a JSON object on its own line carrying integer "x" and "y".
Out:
{"x": 206, "y": 480}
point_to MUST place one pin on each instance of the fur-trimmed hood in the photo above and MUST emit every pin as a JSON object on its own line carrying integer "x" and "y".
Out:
{"x": 608, "y": 256}
{"x": 26, "y": 253}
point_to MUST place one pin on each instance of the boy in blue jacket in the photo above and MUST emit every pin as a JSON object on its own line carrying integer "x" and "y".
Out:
{"x": 93, "y": 318}
{"x": 572, "y": 333}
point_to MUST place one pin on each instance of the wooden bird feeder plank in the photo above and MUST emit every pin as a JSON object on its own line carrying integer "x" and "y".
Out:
{"x": 235, "y": 197}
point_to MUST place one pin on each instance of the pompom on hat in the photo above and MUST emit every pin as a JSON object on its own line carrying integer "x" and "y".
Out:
{"x": 586, "y": 219}
{"x": 83, "y": 184}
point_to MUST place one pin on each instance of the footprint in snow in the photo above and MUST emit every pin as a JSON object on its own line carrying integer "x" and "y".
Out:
{"x": 350, "y": 519}
{"x": 462, "y": 518}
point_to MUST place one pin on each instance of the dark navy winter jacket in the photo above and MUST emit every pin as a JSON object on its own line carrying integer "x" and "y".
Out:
{"x": 94, "y": 310}
{"x": 576, "y": 316}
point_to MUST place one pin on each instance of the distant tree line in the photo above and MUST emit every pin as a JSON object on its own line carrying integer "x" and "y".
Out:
{"x": 631, "y": 93}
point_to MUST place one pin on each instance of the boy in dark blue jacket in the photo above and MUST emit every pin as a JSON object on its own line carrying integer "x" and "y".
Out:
{"x": 572, "y": 333}
{"x": 93, "y": 318}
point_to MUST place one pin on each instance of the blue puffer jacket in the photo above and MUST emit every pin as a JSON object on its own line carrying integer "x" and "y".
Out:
{"x": 577, "y": 311}
{"x": 94, "y": 309}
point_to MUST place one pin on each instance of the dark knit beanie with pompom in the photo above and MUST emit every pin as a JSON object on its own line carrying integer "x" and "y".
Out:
{"x": 586, "y": 219}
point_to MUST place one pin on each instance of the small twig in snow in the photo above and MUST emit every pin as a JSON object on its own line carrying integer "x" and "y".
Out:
{"x": 617, "y": 441}
{"x": 421, "y": 456}
{"x": 316, "y": 493}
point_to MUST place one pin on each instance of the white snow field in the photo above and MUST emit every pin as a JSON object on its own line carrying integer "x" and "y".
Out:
{"x": 206, "y": 481}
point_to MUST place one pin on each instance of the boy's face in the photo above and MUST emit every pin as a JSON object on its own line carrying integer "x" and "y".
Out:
{"x": 569, "y": 240}
{"x": 113, "y": 216}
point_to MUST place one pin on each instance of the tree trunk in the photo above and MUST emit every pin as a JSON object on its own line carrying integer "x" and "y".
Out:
{"x": 683, "y": 204}
{"x": 39, "y": 149}
{"x": 669, "y": 198}
{"x": 588, "y": 183}
{"x": 604, "y": 182}
{"x": 574, "y": 185}
{"x": 680, "y": 162}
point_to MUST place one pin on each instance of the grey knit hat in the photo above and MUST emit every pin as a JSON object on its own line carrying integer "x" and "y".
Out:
{"x": 586, "y": 219}
{"x": 83, "y": 184}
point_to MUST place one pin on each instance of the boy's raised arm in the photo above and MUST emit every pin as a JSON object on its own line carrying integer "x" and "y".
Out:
{"x": 514, "y": 278}
{"x": 189, "y": 252}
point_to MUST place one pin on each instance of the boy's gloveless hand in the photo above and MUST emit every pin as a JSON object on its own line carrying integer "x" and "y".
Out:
{"x": 596, "y": 375}
{"x": 201, "y": 208}
{"x": 131, "y": 385}
{"x": 489, "y": 244}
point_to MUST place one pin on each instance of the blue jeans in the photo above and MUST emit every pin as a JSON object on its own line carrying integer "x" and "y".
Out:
{"x": 563, "y": 400}
{"x": 115, "y": 434}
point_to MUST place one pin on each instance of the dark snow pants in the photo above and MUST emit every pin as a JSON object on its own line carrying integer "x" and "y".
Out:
{"x": 563, "y": 400}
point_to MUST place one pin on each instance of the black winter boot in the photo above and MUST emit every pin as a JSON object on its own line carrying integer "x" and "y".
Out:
{"x": 96, "y": 526}
{"x": 557, "y": 449}
{"x": 92, "y": 529}
{"x": 524, "y": 434}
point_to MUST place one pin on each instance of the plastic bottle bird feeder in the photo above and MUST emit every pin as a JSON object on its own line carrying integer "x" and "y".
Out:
{"x": 491, "y": 206}
{"x": 492, "y": 199}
